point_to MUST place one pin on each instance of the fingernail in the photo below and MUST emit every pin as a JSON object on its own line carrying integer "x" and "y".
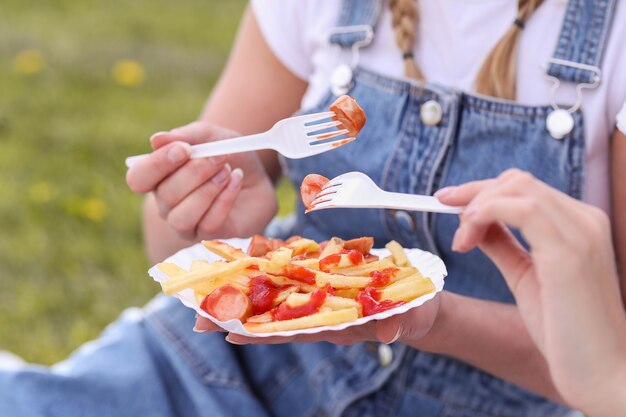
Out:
{"x": 156, "y": 134}
{"x": 195, "y": 329}
{"x": 179, "y": 153}
{"x": 235, "y": 178}
{"x": 221, "y": 176}
{"x": 228, "y": 167}
{"x": 445, "y": 192}
{"x": 396, "y": 337}
{"x": 233, "y": 342}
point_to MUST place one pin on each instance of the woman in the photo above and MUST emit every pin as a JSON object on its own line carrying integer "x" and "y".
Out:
{"x": 420, "y": 137}
{"x": 417, "y": 140}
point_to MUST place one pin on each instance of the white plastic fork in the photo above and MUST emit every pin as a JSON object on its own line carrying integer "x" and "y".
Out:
{"x": 357, "y": 190}
{"x": 295, "y": 137}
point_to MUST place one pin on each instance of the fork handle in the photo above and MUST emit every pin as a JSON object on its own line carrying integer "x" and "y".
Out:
{"x": 411, "y": 202}
{"x": 221, "y": 147}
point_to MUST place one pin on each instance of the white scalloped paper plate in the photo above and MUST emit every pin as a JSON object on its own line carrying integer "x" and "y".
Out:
{"x": 429, "y": 265}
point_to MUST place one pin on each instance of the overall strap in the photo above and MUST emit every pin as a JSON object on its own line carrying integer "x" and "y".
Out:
{"x": 581, "y": 44}
{"x": 356, "y": 22}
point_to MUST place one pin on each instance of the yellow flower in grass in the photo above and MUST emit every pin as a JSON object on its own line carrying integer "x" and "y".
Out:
{"x": 94, "y": 209}
{"x": 29, "y": 62}
{"x": 129, "y": 73}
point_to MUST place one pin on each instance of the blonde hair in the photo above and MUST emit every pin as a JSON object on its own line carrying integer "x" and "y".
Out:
{"x": 498, "y": 74}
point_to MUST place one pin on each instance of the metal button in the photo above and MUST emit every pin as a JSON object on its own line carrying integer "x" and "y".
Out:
{"x": 560, "y": 123}
{"x": 385, "y": 354}
{"x": 341, "y": 79}
{"x": 405, "y": 219}
{"x": 431, "y": 113}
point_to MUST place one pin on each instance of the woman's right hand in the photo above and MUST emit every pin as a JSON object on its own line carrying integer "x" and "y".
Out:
{"x": 217, "y": 197}
{"x": 566, "y": 285}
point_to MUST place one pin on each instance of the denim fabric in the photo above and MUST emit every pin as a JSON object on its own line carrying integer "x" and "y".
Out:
{"x": 150, "y": 363}
{"x": 583, "y": 38}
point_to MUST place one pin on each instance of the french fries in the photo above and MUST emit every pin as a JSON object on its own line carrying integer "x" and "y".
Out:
{"x": 301, "y": 284}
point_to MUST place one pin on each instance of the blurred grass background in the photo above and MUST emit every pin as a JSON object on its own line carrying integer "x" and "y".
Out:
{"x": 83, "y": 84}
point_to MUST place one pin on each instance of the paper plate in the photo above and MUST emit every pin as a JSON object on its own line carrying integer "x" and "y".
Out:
{"x": 429, "y": 265}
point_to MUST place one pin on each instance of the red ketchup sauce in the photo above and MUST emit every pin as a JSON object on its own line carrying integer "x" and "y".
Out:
{"x": 299, "y": 273}
{"x": 330, "y": 261}
{"x": 263, "y": 292}
{"x": 353, "y": 255}
{"x": 370, "y": 301}
{"x": 382, "y": 278}
{"x": 285, "y": 312}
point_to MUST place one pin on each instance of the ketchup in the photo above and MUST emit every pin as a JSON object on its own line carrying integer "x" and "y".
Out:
{"x": 329, "y": 289}
{"x": 353, "y": 255}
{"x": 299, "y": 273}
{"x": 370, "y": 301}
{"x": 263, "y": 292}
{"x": 330, "y": 261}
{"x": 285, "y": 312}
{"x": 382, "y": 278}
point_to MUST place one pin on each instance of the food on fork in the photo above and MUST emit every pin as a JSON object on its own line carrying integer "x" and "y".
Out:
{"x": 311, "y": 187}
{"x": 298, "y": 283}
{"x": 349, "y": 113}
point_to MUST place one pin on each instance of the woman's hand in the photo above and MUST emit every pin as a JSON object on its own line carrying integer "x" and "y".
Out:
{"x": 566, "y": 286}
{"x": 222, "y": 196}
{"x": 411, "y": 326}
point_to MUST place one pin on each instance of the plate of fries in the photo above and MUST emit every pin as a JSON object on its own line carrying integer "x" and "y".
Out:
{"x": 260, "y": 287}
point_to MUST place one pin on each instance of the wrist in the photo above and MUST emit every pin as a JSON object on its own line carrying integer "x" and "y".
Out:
{"x": 612, "y": 402}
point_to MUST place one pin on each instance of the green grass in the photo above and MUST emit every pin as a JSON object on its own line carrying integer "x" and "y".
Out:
{"x": 71, "y": 254}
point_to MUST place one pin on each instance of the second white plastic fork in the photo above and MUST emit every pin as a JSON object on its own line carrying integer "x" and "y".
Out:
{"x": 295, "y": 137}
{"x": 357, "y": 190}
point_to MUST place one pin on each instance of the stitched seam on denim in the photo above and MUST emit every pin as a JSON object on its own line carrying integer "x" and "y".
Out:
{"x": 518, "y": 111}
{"x": 610, "y": 9}
{"x": 398, "y": 85}
{"x": 390, "y": 170}
{"x": 565, "y": 38}
{"x": 576, "y": 160}
{"x": 512, "y": 115}
{"x": 448, "y": 134}
{"x": 570, "y": 23}
{"x": 194, "y": 363}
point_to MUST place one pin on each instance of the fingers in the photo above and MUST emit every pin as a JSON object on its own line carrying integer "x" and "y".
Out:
{"x": 461, "y": 195}
{"x": 507, "y": 254}
{"x": 147, "y": 173}
{"x": 204, "y": 325}
{"x": 215, "y": 217}
{"x": 181, "y": 183}
{"x": 185, "y": 217}
{"x": 389, "y": 330}
{"x": 193, "y": 133}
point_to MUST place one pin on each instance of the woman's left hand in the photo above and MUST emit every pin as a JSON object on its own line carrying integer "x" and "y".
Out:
{"x": 411, "y": 325}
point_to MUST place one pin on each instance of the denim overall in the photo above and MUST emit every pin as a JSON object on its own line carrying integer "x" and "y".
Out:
{"x": 149, "y": 363}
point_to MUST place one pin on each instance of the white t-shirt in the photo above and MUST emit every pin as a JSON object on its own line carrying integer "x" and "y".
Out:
{"x": 454, "y": 37}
